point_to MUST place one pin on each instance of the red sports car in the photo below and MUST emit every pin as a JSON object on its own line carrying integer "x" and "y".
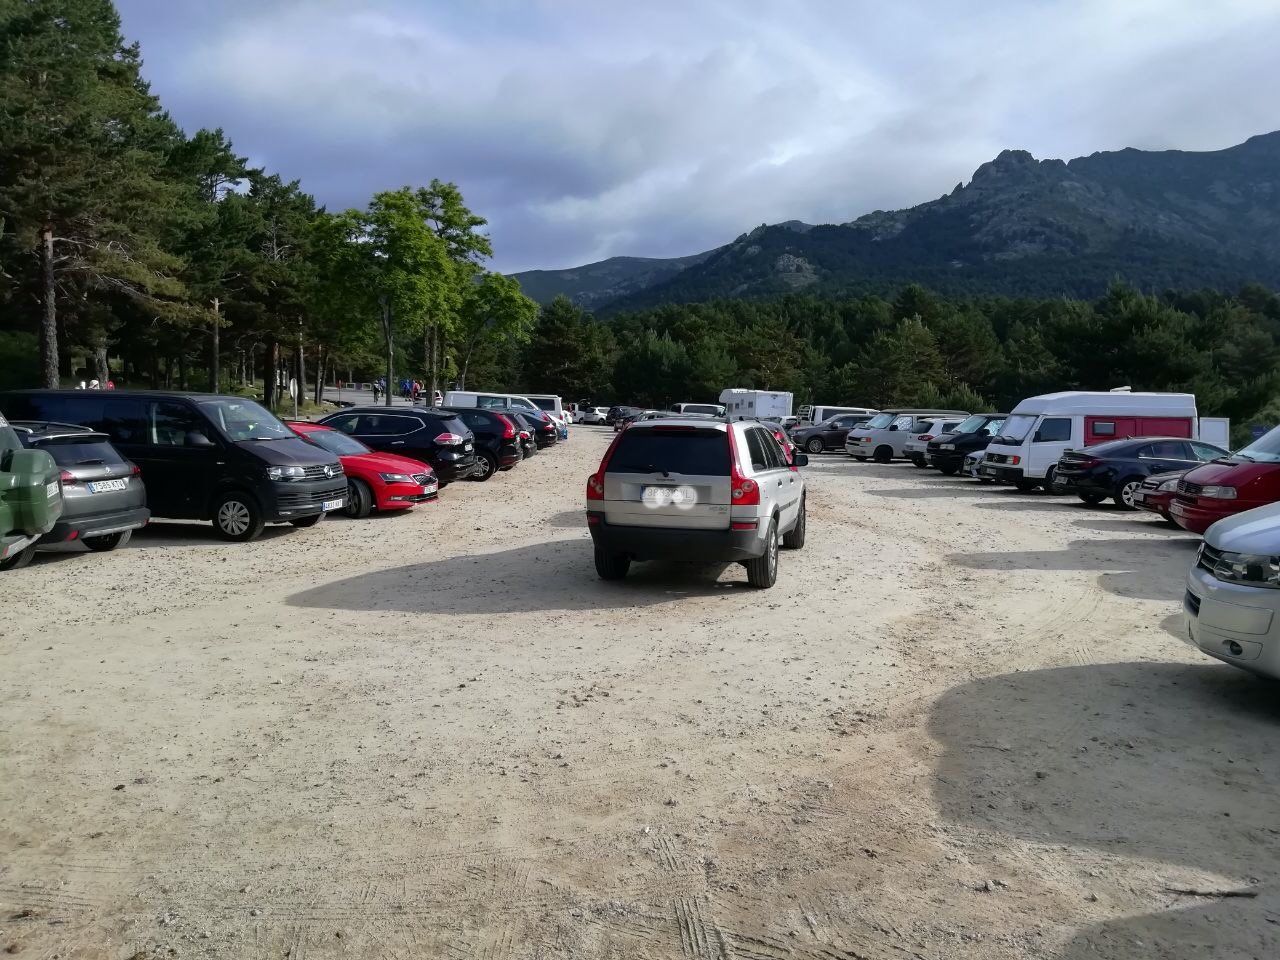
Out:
{"x": 374, "y": 480}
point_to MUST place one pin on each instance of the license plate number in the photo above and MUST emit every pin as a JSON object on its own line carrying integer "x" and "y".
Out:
{"x": 1177, "y": 509}
{"x": 333, "y": 504}
{"x": 466, "y": 447}
{"x": 987, "y": 471}
{"x": 948, "y": 446}
{"x": 104, "y": 486}
{"x": 51, "y": 489}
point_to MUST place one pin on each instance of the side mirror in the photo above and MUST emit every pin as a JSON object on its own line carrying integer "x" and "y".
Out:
{"x": 196, "y": 438}
{"x": 799, "y": 459}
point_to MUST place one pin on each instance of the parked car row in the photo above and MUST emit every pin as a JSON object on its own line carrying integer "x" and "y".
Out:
{"x": 112, "y": 462}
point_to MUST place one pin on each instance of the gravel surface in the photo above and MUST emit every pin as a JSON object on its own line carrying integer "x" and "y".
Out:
{"x": 963, "y": 724}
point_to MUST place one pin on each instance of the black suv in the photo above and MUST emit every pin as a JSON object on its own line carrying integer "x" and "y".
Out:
{"x": 432, "y": 435}
{"x": 203, "y": 456}
{"x": 103, "y": 497}
{"x": 1117, "y": 468}
{"x": 947, "y": 452}
{"x": 497, "y": 439}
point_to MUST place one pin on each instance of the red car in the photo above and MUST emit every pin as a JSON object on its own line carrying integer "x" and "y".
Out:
{"x": 1248, "y": 478}
{"x": 1157, "y": 492}
{"x": 374, "y": 480}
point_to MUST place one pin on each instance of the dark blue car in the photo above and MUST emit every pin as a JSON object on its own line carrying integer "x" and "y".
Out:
{"x": 1117, "y": 468}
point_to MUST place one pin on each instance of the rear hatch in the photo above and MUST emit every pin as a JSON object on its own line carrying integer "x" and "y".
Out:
{"x": 669, "y": 476}
{"x": 96, "y": 479}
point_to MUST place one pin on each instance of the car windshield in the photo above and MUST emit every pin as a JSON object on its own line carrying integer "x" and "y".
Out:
{"x": 70, "y": 452}
{"x": 972, "y": 425}
{"x": 1017, "y": 427}
{"x": 1266, "y": 449}
{"x": 671, "y": 450}
{"x": 245, "y": 420}
{"x": 879, "y": 421}
{"x": 336, "y": 443}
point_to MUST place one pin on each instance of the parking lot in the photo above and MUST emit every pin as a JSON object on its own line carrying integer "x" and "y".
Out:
{"x": 964, "y": 723}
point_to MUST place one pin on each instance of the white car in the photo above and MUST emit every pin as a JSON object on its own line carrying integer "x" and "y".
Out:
{"x": 592, "y": 415}
{"x": 678, "y": 488}
{"x": 916, "y": 446}
{"x": 1233, "y": 592}
{"x": 884, "y": 435}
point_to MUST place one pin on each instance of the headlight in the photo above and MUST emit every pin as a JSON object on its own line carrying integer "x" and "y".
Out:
{"x": 1168, "y": 486}
{"x": 1218, "y": 493}
{"x": 1253, "y": 569}
{"x": 396, "y": 478}
{"x": 286, "y": 473}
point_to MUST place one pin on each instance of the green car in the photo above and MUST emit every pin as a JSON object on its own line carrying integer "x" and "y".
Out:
{"x": 30, "y": 498}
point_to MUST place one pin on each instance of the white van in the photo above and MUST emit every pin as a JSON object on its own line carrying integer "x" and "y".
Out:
{"x": 821, "y": 413}
{"x": 709, "y": 409}
{"x": 1040, "y": 429}
{"x": 550, "y": 403}
{"x": 885, "y": 435}
{"x": 488, "y": 401}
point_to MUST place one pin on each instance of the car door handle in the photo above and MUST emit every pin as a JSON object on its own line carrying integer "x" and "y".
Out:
{"x": 397, "y": 443}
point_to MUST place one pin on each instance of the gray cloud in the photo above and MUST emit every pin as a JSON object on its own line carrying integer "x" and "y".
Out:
{"x": 585, "y": 129}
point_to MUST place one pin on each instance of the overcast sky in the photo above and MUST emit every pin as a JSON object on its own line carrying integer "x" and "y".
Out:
{"x": 588, "y": 128}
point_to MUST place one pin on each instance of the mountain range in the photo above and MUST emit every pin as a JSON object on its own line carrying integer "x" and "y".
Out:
{"x": 1019, "y": 227}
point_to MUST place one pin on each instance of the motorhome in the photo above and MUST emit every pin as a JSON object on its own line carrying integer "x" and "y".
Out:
{"x": 1040, "y": 429}
{"x": 756, "y": 404}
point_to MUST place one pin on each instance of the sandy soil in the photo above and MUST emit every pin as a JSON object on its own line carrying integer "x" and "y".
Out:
{"x": 962, "y": 725}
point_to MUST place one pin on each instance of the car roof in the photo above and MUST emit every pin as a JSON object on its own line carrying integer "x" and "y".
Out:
{"x": 148, "y": 394}
{"x": 403, "y": 411}
{"x": 1108, "y": 403}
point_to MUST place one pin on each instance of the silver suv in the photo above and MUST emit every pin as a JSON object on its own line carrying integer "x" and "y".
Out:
{"x": 701, "y": 490}
{"x": 884, "y": 435}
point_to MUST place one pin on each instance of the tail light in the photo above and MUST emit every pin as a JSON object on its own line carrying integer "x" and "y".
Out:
{"x": 925, "y": 436}
{"x": 1087, "y": 462}
{"x": 135, "y": 470}
{"x": 744, "y": 491}
{"x": 448, "y": 439}
{"x": 595, "y": 482}
{"x": 1015, "y": 460}
{"x": 524, "y": 434}
{"x": 67, "y": 476}
{"x": 508, "y": 428}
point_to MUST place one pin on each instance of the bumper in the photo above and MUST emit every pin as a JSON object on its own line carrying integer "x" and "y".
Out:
{"x": 1236, "y": 624}
{"x": 1085, "y": 485}
{"x": 401, "y": 496}
{"x": 449, "y": 470}
{"x": 1000, "y": 473}
{"x": 12, "y": 545}
{"x": 668, "y": 543}
{"x": 97, "y": 525}
{"x": 1198, "y": 519}
{"x": 946, "y": 459}
{"x": 294, "y": 500}
{"x": 857, "y": 449}
{"x": 1155, "y": 502}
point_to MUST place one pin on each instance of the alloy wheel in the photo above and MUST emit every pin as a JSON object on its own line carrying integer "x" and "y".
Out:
{"x": 233, "y": 518}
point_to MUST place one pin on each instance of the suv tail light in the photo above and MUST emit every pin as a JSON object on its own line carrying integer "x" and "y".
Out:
{"x": 508, "y": 428}
{"x": 135, "y": 470}
{"x": 744, "y": 492}
{"x": 595, "y": 482}
{"x": 448, "y": 439}
{"x": 67, "y": 476}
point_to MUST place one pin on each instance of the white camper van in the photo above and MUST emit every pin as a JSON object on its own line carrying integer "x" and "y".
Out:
{"x": 1041, "y": 429}
{"x": 756, "y": 404}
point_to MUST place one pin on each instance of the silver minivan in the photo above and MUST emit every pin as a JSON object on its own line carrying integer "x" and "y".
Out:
{"x": 700, "y": 490}
{"x": 884, "y": 436}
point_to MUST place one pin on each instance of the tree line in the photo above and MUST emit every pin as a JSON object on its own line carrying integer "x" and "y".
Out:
{"x": 132, "y": 250}
{"x": 915, "y": 348}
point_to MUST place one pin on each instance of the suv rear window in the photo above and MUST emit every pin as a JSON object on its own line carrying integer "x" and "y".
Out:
{"x": 689, "y": 452}
{"x": 75, "y": 453}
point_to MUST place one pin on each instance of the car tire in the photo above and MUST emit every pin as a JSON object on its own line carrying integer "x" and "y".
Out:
{"x": 793, "y": 539}
{"x": 1092, "y": 499}
{"x": 1026, "y": 486}
{"x": 949, "y": 470}
{"x": 19, "y": 560}
{"x": 489, "y": 468}
{"x": 762, "y": 572}
{"x": 1125, "y": 490}
{"x": 883, "y": 454}
{"x": 303, "y": 523}
{"x": 860, "y": 459}
{"x": 611, "y": 566}
{"x": 107, "y": 543}
{"x": 1051, "y": 484}
{"x": 359, "y": 499}
{"x": 815, "y": 445}
{"x": 237, "y": 517}
{"x": 919, "y": 463}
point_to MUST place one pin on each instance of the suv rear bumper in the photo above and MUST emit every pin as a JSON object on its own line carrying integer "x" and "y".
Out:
{"x": 98, "y": 525}
{"x": 675, "y": 543}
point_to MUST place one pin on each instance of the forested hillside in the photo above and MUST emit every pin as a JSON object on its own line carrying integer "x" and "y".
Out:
{"x": 917, "y": 348}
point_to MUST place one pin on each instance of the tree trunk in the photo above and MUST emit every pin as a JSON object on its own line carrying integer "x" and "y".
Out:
{"x": 429, "y": 349}
{"x": 215, "y": 370}
{"x": 155, "y": 371}
{"x": 168, "y": 372}
{"x": 270, "y": 372}
{"x": 182, "y": 367}
{"x": 49, "y": 317}
{"x": 321, "y": 360}
{"x": 302, "y": 366}
{"x": 441, "y": 342}
{"x": 387, "y": 331}
{"x": 100, "y": 368}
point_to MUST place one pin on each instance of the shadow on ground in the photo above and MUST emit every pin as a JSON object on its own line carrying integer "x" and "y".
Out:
{"x": 1172, "y": 763}
{"x": 193, "y": 534}
{"x": 545, "y": 576}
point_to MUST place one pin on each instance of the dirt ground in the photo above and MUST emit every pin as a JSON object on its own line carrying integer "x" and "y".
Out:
{"x": 963, "y": 724}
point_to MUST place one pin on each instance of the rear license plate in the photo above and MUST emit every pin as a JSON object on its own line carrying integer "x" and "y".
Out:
{"x": 466, "y": 447}
{"x": 104, "y": 486}
{"x": 332, "y": 504}
{"x": 1177, "y": 509}
{"x": 987, "y": 471}
{"x": 1139, "y": 496}
{"x": 947, "y": 446}
{"x": 51, "y": 489}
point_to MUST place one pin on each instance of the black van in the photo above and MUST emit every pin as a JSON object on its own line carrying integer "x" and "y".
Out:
{"x": 203, "y": 456}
